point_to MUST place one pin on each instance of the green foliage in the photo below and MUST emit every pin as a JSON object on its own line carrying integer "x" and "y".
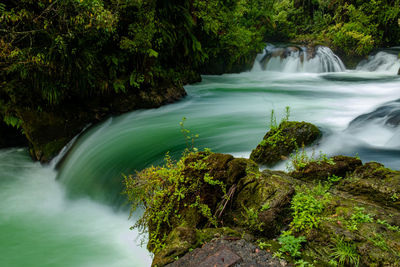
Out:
{"x": 303, "y": 263}
{"x": 354, "y": 27}
{"x": 300, "y": 159}
{"x": 357, "y": 218}
{"x": 264, "y": 245}
{"x": 393, "y": 228}
{"x": 345, "y": 253}
{"x": 163, "y": 191}
{"x": 54, "y": 53}
{"x": 251, "y": 220}
{"x": 291, "y": 244}
{"x": 334, "y": 179}
{"x": 307, "y": 206}
{"x": 12, "y": 121}
{"x": 273, "y": 125}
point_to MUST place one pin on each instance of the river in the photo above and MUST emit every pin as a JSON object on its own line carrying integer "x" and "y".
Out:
{"x": 75, "y": 215}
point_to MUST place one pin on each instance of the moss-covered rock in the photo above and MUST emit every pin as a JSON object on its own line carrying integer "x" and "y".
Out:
{"x": 262, "y": 202}
{"x": 349, "y": 220}
{"x": 279, "y": 142}
{"x": 322, "y": 169}
{"x": 352, "y": 228}
{"x": 374, "y": 182}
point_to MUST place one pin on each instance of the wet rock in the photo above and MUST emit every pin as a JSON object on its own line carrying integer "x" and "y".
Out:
{"x": 228, "y": 253}
{"x": 182, "y": 239}
{"x": 388, "y": 112}
{"x": 398, "y": 73}
{"x": 267, "y": 196}
{"x": 350, "y": 223}
{"x": 280, "y": 142}
{"x": 374, "y": 182}
{"x": 320, "y": 170}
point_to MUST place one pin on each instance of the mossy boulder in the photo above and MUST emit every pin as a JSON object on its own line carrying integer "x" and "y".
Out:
{"x": 262, "y": 201}
{"x": 322, "y": 169}
{"x": 374, "y": 182}
{"x": 279, "y": 142}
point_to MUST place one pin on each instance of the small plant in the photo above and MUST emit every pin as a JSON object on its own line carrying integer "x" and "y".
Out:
{"x": 189, "y": 138}
{"x": 393, "y": 228}
{"x": 334, "y": 179}
{"x": 252, "y": 222}
{"x": 263, "y": 245}
{"x": 265, "y": 207}
{"x": 273, "y": 125}
{"x": 394, "y": 197}
{"x": 272, "y": 121}
{"x": 379, "y": 241}
{"x": 291, "y": 244}
{"x": 303, "y": 263}
{"x": 307, "y": 205}
{"x": 345, "y": 253}
{"x": 300, "y": 159}
{"x": 357, "y": 218}
{"x": 278, "y": 255}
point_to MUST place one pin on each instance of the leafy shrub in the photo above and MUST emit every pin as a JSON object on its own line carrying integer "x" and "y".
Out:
{"x": 291, "y": 244}
{"x": 306, "y": 206}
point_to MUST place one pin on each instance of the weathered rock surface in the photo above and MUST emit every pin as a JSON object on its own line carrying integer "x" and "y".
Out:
{"x": 228, "y": 252}
{"x": 338, "y": 204}
{"x": 374, "y": 182}
{"x": 320, "y": 170}
{"x": 267, "y": 194}
{"x": 280, "y": 142}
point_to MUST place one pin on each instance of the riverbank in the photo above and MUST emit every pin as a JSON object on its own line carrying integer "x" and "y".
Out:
{"x": 325, "y": 211}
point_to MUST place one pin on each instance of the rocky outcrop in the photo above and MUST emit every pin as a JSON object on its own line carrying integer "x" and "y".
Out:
{"x": 345, "y": 212}
{"x": 279, "y": 142}
{"x": 322, "y": 169}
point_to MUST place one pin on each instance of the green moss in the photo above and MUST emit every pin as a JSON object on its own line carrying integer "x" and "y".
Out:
{"x": 280, "y": 141}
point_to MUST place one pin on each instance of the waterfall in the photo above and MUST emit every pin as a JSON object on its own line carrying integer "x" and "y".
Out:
{"x": 381, "y": 62}
{"x": 298, "y": 59}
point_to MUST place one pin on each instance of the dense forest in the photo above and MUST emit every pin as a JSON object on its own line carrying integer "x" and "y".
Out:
{"x": 66, "y": 63}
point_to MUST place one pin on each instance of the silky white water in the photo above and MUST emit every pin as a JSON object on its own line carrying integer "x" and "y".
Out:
{"x": 76, "y": 216}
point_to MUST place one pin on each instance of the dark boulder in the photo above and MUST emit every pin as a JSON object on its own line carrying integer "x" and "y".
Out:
{"x": 374, "y": 182}
{"x": 322, "y": 169}
{"x": 278, "y": 143}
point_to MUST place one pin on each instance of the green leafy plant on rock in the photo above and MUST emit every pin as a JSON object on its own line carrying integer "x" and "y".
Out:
{"x": 307, "y": 206}
{"x": 357, "y": 218}
{"x": 291, "y": 244}
{"x": 344, "y": 253}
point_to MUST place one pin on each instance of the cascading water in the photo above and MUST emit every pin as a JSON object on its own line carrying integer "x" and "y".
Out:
{"x": 381, "y": 62}
{"x": 298, "y": 59}
{"x": 76, "y": 219}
